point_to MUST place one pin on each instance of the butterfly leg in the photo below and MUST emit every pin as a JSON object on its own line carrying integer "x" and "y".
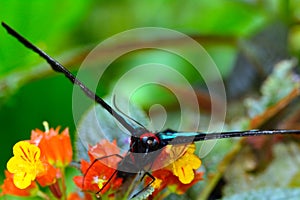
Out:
{"x": 98, "y": 193}
{"x": 96, "y": 160}
{"x": 146, "y": 187}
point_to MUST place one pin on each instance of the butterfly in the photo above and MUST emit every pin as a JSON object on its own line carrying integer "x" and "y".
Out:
{"x": 144, "y": 145}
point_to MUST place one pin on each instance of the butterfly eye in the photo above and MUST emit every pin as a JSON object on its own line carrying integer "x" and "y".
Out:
{"x": 146, "y": 140}
{"x": 150, "y": 142}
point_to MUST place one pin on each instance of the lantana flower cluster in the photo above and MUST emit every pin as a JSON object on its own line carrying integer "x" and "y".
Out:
{"x": 40, "y": 163}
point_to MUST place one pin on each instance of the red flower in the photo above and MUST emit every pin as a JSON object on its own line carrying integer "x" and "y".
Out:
{"x": 55, "y": 147}
{"x": 105, "y": 148}
{"x": 76, "y": 196}
{"x": 49, "y": 176}
{"x": 98, "y": 172}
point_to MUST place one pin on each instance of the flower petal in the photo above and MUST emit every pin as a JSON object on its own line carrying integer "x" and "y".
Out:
{"x": 22, "y": 179}
{"x": 25, "y": 164}
{"x": 57, "y": 148}
{"x": 26, "y": 151}
{"x": 10, "y": 188}
{"x": 184, "y": 167}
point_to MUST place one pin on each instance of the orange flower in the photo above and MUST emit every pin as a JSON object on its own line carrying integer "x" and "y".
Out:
{"x": 9, "y": 188}
{"x": 55, "y": 147}
{"x": 41, "y": 159}
{"x": 97, "y": 173}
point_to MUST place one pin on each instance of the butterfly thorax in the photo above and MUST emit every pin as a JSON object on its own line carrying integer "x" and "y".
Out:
{"x": 143, "y": 151}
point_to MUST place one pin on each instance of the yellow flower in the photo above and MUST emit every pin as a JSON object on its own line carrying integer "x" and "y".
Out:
{"x": 184, "y": 167}
{"x": 25, "y": 164}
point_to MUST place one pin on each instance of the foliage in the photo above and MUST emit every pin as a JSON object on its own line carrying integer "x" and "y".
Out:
{"x": 31, "y": 92}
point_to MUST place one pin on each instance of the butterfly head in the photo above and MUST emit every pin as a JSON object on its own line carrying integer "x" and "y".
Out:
{"x": 145, "y": 143}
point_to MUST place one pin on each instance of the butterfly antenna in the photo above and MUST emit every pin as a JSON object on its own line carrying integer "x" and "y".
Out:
{"x": 127, "y": 116}
{"x": 56, "y": 66}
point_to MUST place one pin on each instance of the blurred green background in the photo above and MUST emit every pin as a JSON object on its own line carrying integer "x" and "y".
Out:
{"x": 30, "y": 92}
